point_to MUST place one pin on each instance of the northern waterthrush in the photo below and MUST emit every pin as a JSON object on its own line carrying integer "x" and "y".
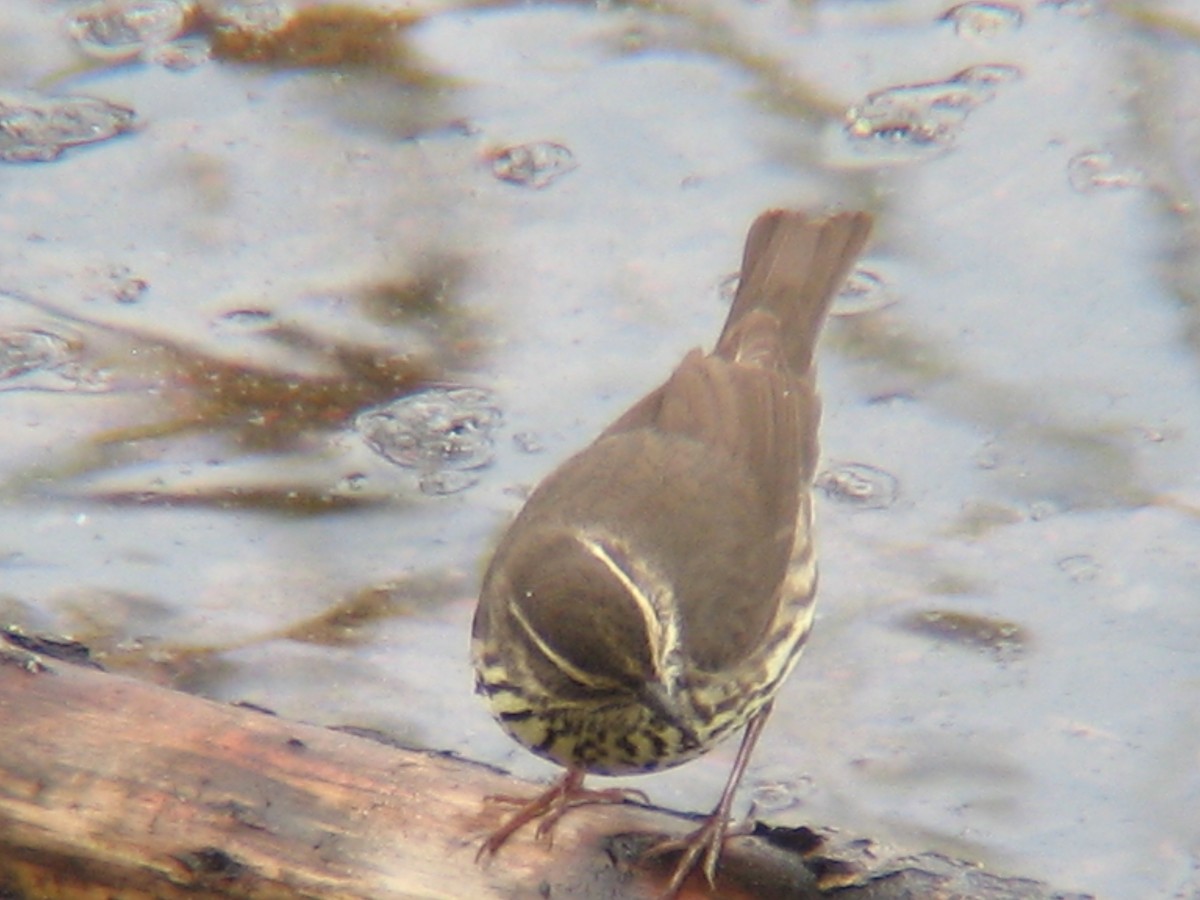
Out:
{"x": 657, "y": 588}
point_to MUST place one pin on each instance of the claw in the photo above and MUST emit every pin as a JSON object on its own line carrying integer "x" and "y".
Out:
{"x": 550, "y": 806}
{"x": 702, "y": 846}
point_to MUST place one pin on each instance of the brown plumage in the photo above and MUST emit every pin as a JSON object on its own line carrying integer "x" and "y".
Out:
{"x": 658, "y": 586}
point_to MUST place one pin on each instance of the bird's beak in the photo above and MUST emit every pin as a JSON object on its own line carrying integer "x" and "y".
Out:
{"x": 664, "y": 702}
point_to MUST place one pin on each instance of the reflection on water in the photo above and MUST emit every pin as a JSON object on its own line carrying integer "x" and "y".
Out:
{"x": 174, "y": 394}
{"x": 311, "y": 223}
{"x": 1001, "y": 638}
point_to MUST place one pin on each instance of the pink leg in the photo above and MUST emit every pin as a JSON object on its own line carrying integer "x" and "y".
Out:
{"x": 707, "y": 840}
{"x": 549, "y": 806}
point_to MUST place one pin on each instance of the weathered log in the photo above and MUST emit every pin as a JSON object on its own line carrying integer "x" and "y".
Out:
{"x": 114, "y": 788}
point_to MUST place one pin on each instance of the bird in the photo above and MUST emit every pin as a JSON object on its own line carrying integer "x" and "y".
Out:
{"x": 657, "y": 588}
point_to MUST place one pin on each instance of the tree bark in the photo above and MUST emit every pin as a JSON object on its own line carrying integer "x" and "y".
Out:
{"x": 114, "y": 788}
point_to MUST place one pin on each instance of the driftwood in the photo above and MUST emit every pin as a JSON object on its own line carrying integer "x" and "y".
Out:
{"x": 114, "y": 788}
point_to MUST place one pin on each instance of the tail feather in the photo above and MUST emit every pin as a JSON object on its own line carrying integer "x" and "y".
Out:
{"x": 792, "y": 267}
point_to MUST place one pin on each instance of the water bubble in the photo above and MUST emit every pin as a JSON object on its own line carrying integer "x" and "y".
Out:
{"x": 927, "y": 117}
{"x": 1040, "y": 510}
{"x": 528, "y": 442}
{"x": 727, "y": 288}
{"x": 25, "y": 351}
{"x": 442, "y": 428}
{"x": 777, "y": 795}
{"x": 1080, "y": 8}
{"x": 80, "y": 378}
{"x": 1150, "y": 435}
{"x": 1080, "y": 568}
{"x": 988, "y": 75}
{"x": 521, "y": 492}
{"x": 444, "y": 482}
{"x": 859, "y": 485}
{"x": 244, "y": 321}
{"x": 863, "y": 292}
{"x": 36, "y": 128}
{"x": 39, "y": 359}
{"x": 179, "y": 55}
{"x": 125, "y": 29}
{"x": 976, "y": 19}
{"x": 534, "y": 165}
{"x": 353, "y": 483}
{"x": 124, "y": 286}
{"x": 250, "y": 15}
{"x": 1098, "y": 170}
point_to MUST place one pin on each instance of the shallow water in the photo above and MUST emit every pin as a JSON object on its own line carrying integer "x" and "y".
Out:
{"x": 198, "y": 315}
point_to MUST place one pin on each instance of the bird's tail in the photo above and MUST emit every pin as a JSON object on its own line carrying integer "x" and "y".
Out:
{"x": 792, "y": 267}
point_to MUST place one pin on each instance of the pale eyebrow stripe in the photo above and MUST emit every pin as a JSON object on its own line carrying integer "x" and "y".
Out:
{"x": 568, "y": 668}
{"x": 654, "y": 629}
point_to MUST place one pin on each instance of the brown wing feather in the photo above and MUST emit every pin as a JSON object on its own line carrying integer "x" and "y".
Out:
{"x": 692, "y": 513}
{"x": 752, "y": 408}
{"x": 704, "y": 475}
{"x": 723, "y": 449}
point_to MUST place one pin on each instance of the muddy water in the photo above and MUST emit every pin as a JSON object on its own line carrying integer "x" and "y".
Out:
{"x": 235, "y": 300}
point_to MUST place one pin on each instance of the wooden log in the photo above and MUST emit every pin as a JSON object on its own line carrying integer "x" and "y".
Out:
{"x": 114, "y": 788}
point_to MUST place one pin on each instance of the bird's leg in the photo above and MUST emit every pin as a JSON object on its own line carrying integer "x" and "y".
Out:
{"x": 566, "y": 793}
{"x": 707, "y": 840}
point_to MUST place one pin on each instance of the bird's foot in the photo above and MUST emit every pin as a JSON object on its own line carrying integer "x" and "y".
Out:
{"x": 550, "y": 806}
{"x": 702, "y": 847}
